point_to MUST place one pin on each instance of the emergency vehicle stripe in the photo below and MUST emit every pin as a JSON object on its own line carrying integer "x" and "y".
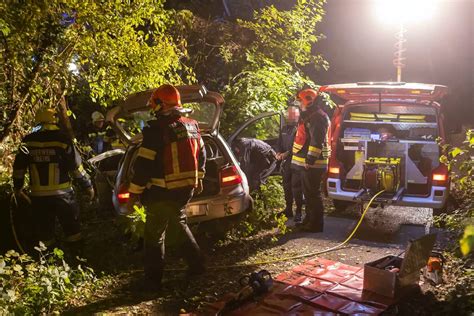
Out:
{"x": 19, "y": 173}
{"x": 75, "y": 237}
{"x": 133, "y": 188}
{"x": 174, "y": 157}
{"x": 47, "y": 144}
{"x": 146, "y": 153}
{"x": 35, "y": 178}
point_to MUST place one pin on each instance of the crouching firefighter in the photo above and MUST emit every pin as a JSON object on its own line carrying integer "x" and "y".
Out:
{"x": 167, "y": 172}
{"x": 52, "y": 161}
{"x": 310, "y": 156}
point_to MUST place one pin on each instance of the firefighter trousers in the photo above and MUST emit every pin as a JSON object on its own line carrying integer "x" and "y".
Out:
{"x": 65, "y": 208}
{"x": 292, "y": 187}
{"x": 314, "y": 202}
{"x": 166, "y": 217}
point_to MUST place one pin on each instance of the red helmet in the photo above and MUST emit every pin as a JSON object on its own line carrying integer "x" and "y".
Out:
{"x": 164, "y": 97}
{"x": 307, "y": 97}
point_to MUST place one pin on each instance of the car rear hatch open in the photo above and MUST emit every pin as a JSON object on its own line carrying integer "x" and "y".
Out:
{"x": 206, "y": 106}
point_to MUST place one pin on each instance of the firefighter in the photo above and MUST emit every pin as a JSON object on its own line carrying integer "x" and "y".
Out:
{"x": 52, "y": 161}
{"x": 256, "y": 158}
{"x": 101, "y": 135}
{"x": 310, "y": 156}
{"x": 291, "y": 180}
{"x": 167, "y": 172}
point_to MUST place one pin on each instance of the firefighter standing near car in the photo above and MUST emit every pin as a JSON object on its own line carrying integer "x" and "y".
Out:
{"x": 167, "y": 172}
{"x": 310, "y": 156}
{"x": 291, "y": 180}
{"x": 51, "y": 160}
{"x": 101, "y": 136}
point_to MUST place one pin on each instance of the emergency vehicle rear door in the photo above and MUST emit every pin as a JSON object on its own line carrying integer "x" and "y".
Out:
{"x": 375, "y": 91}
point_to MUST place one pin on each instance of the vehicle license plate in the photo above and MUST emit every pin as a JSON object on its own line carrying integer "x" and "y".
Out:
{"x": 196, "y": 210}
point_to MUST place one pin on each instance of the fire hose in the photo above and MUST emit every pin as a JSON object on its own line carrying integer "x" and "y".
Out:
{"x": 311, "y": 254}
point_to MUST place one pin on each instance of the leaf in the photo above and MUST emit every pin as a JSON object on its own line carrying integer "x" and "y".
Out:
{"x": 467, "y": 241}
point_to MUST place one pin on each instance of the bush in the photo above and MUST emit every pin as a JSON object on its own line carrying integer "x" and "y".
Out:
{"x": 268, "y": 202}
{"x": 40, "y": 287}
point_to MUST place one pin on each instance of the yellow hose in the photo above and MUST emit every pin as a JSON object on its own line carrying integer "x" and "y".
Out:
{"x": 298, "y": 256}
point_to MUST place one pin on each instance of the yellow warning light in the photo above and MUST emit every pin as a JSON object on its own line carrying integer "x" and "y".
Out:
{"x": 415, "y": 92}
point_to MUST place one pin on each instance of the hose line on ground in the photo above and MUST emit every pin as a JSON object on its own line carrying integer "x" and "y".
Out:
{"x": 238, "y": 265}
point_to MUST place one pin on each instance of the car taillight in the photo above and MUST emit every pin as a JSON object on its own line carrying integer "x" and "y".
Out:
{"x": 230, "y": 176}
{"x": 440, "y": 176}
{"x": 123, "y": 197}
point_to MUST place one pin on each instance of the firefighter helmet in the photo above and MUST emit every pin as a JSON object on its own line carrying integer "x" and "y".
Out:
{"x": 307, "y": 97}
{"x": 97, "y": 116}
{"x": 165, "y": 97}
{"x": 47, "y": 116}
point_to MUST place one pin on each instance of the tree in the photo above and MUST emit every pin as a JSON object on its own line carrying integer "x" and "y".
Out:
{"x": 52, "y": 47}
{"x": 281, "y": 45}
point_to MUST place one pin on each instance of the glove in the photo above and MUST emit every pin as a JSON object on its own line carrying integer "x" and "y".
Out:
{"x": 199, "y": 188}
{"x": 90, "y": 193}
{"x": 132, "y": 201}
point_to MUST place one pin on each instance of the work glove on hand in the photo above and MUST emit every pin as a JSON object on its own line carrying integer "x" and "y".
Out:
{"x": 132, "y": 201}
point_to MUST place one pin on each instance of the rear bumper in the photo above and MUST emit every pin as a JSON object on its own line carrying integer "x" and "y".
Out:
{"x": 436, "y": 199}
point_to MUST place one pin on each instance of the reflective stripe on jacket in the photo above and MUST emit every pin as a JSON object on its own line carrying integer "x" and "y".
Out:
{"x": 51, "y": 160}
{"x": 172, "y": 155}
{"x": 311, "y": 140}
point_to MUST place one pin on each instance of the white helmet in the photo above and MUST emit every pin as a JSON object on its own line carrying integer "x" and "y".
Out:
{"x": 97, "y": 116}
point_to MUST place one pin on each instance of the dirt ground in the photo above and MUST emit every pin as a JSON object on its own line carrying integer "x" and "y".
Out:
{"x": 384, "y": 232}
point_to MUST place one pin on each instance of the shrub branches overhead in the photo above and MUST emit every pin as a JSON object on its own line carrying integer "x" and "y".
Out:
{"x": 114, "y": 47}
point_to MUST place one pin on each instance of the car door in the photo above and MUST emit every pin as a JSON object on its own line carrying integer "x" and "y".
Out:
{"x": 265, "y": 127}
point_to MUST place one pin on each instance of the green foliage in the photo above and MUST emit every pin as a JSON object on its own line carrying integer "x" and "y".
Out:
{"x": 136, "y": 222}
{"x": 267, "y": 204}
{"x": 118, "y": 47}
{"x": 460, "y": 163}
{"x": 270, "y": 64}
{"x": 40, "y": 287}
{"x": 467, "y": 241}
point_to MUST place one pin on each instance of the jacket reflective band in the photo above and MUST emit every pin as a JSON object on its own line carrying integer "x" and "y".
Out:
{"x": 301, "y": 161}
{"x": 174, "y": 154}
{"x": 314, "y": 151}
{"x": 146, "y": 153}
{"x": 47, "y": 144}
{"x": 171, "y": 184}
{"x": 136, "y": 189}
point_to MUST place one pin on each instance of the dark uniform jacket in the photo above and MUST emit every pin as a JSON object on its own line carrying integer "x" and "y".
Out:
{"x": 172, "y": 155}
{"x": 285, "y": 144}
{"x": 51, "y": 160}
{"x": 101, "y": 140}
{"x": 311, "y": 140}
{"x": 257, "y": 160}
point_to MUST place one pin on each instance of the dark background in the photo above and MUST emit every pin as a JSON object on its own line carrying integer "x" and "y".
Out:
{"x": 360, "y": 47}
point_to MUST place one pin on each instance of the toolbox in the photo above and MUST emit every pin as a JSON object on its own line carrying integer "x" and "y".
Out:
{"x": 392, "y": 276}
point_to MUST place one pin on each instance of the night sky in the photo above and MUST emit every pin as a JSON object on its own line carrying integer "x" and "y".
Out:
{"x": 359, "y": 47}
